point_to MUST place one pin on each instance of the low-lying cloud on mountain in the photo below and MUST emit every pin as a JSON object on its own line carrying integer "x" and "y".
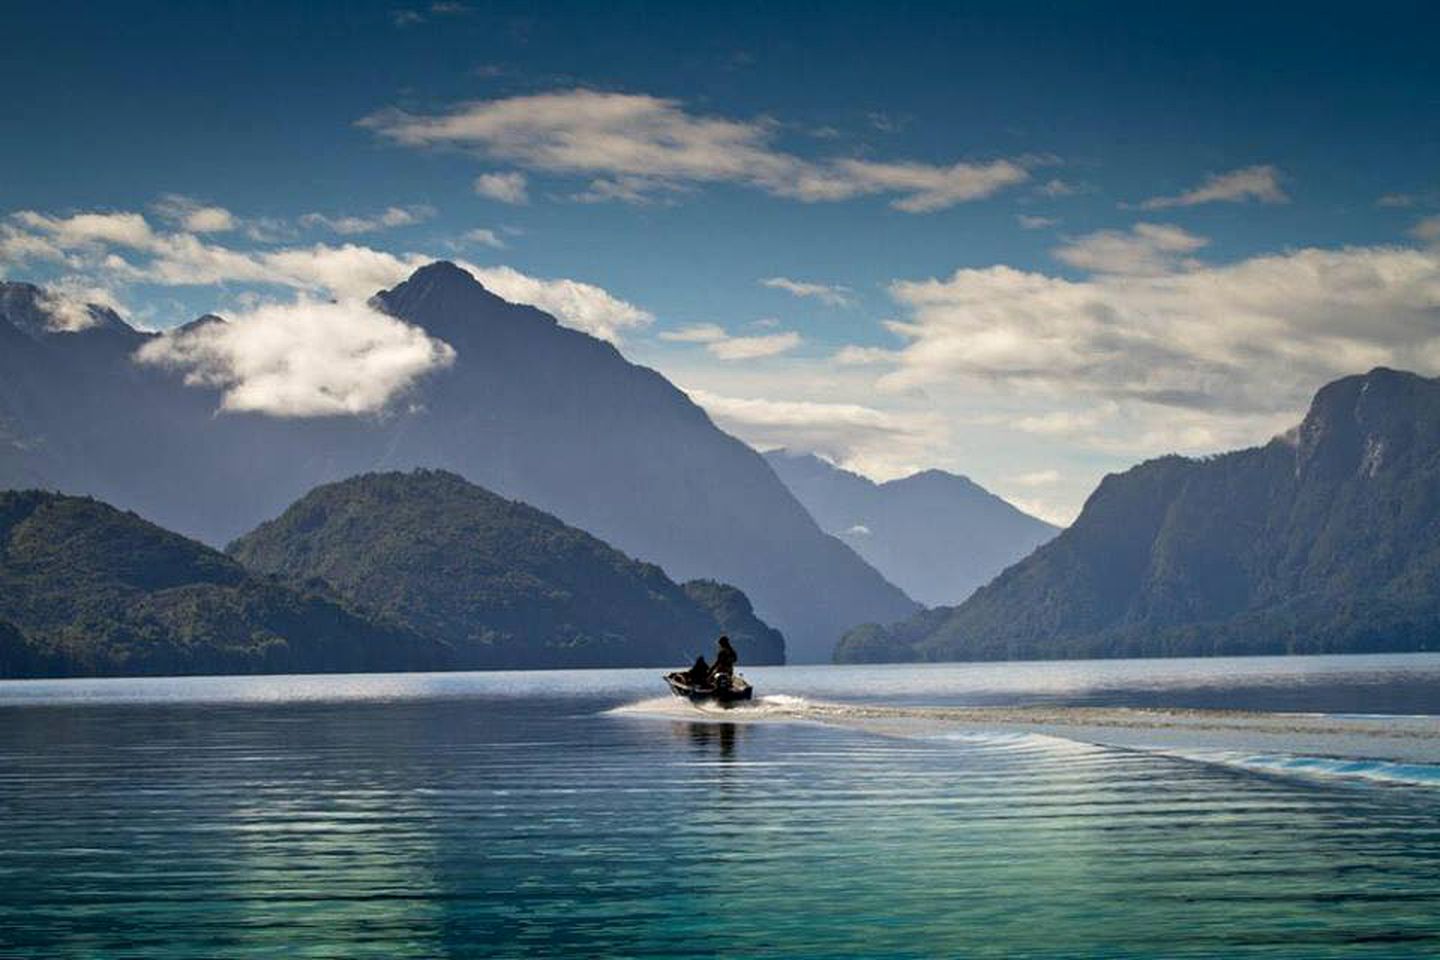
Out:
{"x": 1151, "y": 344}
{"x": 110, "y": 250}
{"x": 305, "y": 359}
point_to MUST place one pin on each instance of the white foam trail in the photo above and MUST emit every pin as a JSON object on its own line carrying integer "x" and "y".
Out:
{"x": 1325, "y": 768}
{"x": 773, "y": 707}
{"x": 1407, "y": 744}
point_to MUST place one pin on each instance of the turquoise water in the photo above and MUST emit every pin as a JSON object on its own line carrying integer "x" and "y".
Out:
{"x": 572, "y": 814}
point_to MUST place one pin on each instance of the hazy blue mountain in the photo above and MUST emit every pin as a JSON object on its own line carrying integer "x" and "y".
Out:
{"x": 530, "y": 409}
{"x": 503, "y": 584}
{"x": 1325, "y": 540}
{"x": 935, "y": 535}
{"x": 86, "y": 590}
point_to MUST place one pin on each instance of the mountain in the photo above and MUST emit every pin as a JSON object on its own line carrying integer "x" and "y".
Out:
{"x": 935, "y": 535}
{"x": 86, "y": 590}
{"x": 529, "y": 409}
{"x": 1325, "y": 540}
{"x": 503, "y": 584}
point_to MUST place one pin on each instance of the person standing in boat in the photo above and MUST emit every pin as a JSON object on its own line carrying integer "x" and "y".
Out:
{"x": 725, "y": 660}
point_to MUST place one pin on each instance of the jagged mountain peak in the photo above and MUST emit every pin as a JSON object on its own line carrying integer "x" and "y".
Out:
{"x": 38, "y": 312}
{"x": 442, "y": 294}
{"x": 1360, "y": 423}
{"x": 204, "y": 320}
{"x": 530, "y": 409}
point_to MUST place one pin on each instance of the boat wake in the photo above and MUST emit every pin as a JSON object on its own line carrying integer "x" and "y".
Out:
{"x": 1370, "y": 748}
{"x": 774, "y": 707}
{"x": 1321, "y": 768}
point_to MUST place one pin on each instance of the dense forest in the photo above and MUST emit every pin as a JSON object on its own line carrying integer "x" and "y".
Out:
{"x": 501, "y": 583}
{"x": 87, "y": 590}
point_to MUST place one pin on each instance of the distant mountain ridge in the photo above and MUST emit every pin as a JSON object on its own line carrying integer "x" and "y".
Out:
{"x": 936, "y": 535}
{"x": 500, "y": 583}
{"x": 86, "y": 590}
{"x": 529, "y": 409}
{"x": 1325, "y": 540}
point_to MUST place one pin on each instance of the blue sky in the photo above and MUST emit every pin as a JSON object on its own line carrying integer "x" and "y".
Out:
{"x": 1030, "y": 243}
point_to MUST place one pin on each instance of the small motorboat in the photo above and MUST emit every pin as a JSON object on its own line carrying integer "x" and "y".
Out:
{"x": 724, "y": 690}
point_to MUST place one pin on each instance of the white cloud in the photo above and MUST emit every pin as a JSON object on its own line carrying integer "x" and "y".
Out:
{"x": 580, "y": 305}
{"x": 1029, "y": 222}
{"x": 638, "y": 144}
{"x": 640, "y": 191}
{"x": 88, "y": 242}
{"x": 411, "y": 16}
{"x": 753, "y": 348}
{"x": 1260, "y": 183}
{"x": 696, "y": 333}
{"x": 194, "y": 217}
{"x": 1060, "y": 423}
{"x": 926, "y": 188}
{"x": 832, "y": 294}
{"x": 1056, "y": 187}
{"x": 506, "y": 187}
{"x": 120, "y": 229}
{"x": 484, "y": 237}
{"x": 1245, "y": 340}
{"x": 854, "y": 356}
{"x": 1427, "y": 229}
{"x": 846, "y": 433}
{"x": 1401, "y": 200}
{"x": 721, "y": 345}
{"x": 1147, "y": 249}
{"x": 303, "y": 359}
{"x": 1037, "y": 478}
{"x": 387, "y": 219}
{"x": 67, "y": 303}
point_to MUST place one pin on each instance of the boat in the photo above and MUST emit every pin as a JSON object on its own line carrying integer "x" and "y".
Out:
{"x": 725, "y": 691}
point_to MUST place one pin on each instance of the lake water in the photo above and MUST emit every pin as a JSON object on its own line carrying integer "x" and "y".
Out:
{"x": 854, "y": 812}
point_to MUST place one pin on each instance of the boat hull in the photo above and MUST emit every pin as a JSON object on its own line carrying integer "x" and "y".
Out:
{"x": 740, "y": 692}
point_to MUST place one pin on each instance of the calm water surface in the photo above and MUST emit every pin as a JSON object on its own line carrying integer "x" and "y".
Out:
{"x": 510, "y": 814}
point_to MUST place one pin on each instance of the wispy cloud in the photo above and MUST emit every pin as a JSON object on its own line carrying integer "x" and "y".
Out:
{"x": 583, "y": 306}
{"x": 832, "y": 294}
{"x": 484, "y": 237}
{"x": 122, "y": 247}
{"x": 643, "y": 144}
{"x": 506, "y": 187}
{"x": 1146, "y": 249}
{"x": 1260, "y": 183}
{"x": 387, "y": 219}
{"x": 1400, "y": 200}
{"x": 1427, "y": 228}
{"x": 845, "y": 433}
{"x": 753, "y": 348}
{"x": 1037, "y": 478}
{"x": 855, "y": 356}
{"x": 1231, "y": 344}
{"x": 195, "y": 217}
{"x": 1031, "y": 222}
{"x": 411, "y": 16}
{"x": 721, "y": 345}
{"x": 1055, "y": 187}
{"x": 695, "y": 333}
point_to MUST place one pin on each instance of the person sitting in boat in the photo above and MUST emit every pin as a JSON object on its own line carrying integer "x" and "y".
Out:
{"x": 725, "y": 660}
{"x": 699, "y": 674}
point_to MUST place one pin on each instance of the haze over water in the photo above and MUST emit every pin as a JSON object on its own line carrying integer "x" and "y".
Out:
{"x": 574, "y": 814}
